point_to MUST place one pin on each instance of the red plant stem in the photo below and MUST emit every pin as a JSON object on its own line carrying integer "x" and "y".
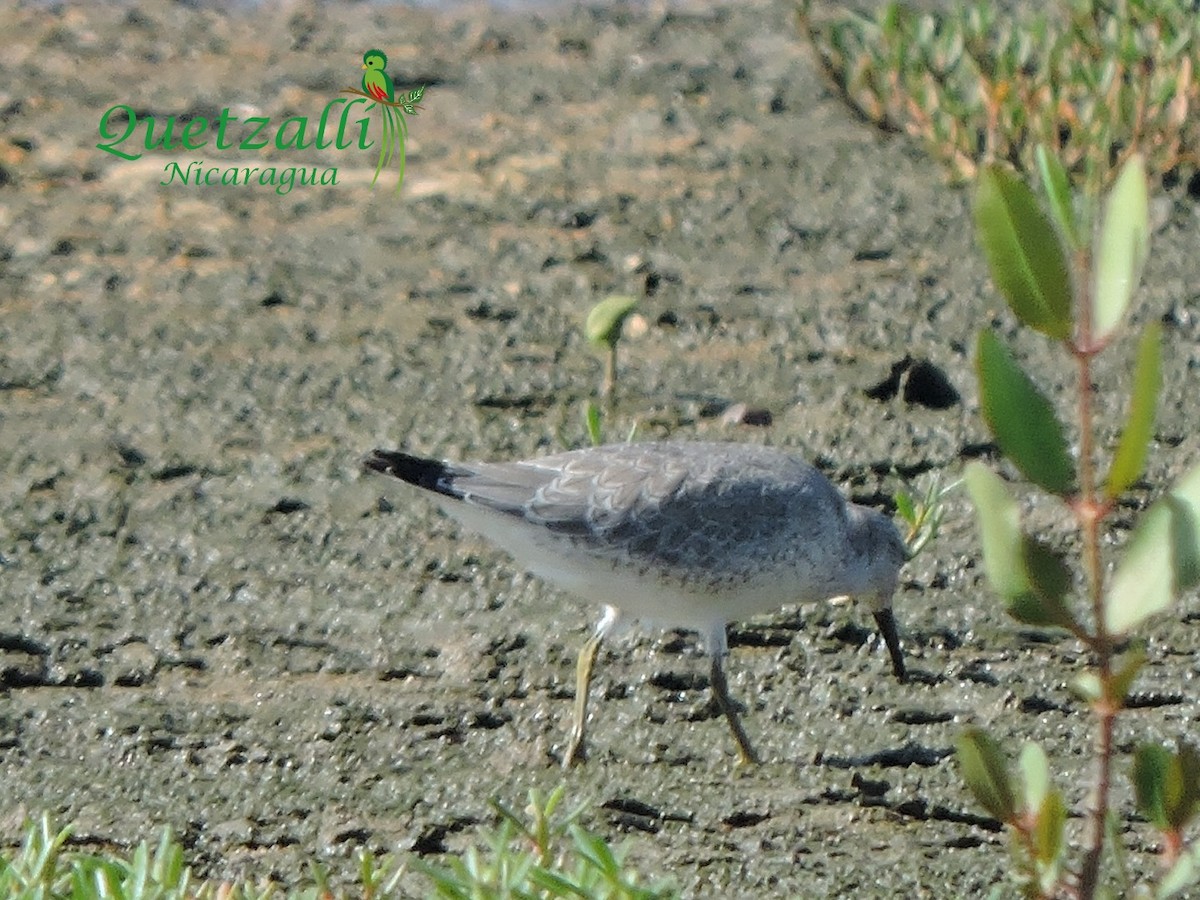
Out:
{"x": 1172, "y": 848}
{"x": 1089, "y": 511}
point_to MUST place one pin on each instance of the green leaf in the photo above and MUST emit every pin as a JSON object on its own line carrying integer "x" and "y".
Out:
{"x": 603, "y": 325}
{"x": 1048, "y": 833}
{"x": 1021, "y": 418}
{"x": 1151, "y": 774}
{"x": 1058, "y": 191}
{"x": 1167, "y": 785}
{"x": 1130, "y": 456}
{"x": 1049, "y": 579}
{"x": 1161, "y": 560}
{"x": 904, "y": 506}
{"x": 1125, "y": 670}
{"x": 1086, "y": 686}
{"x": 1030, "y": 578}
{"x": 1035, "y": 772}
{"x": 593, "y": 848}
{"x": 1122, "y": 247}
{"x": 551, "y": 881}
{"x": 1189, "y": 800}
{"x": 1023, "y": 252}
{"x": 999, "y": 531}
{"x": 1184, "y": 874}
{"x": 1048, "y": 573}
{"x": 985, "y": 771}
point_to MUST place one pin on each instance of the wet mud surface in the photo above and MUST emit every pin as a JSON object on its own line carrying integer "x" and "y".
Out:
{"x": 209, "y": 618}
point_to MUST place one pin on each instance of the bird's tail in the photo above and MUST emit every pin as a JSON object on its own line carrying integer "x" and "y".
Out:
{"x": 430, "y": 474}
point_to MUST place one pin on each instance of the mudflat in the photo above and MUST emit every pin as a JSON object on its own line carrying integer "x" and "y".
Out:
{"x": 210, "y": 618}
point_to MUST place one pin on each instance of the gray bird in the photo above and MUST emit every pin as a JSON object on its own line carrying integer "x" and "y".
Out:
{"x": 688, "y": 535}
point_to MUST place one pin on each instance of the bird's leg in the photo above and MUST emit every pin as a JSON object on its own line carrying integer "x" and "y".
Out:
{"x": 576, "y": 752}
{"x": 887, "y": 627}
{"x": 720, "y": 689}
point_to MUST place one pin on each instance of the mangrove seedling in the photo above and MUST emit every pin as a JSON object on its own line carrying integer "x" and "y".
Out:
{"x": 603, "y": 329}
{"x": 1078, "y": 295}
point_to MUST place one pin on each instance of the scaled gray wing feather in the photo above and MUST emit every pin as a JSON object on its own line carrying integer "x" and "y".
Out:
{"x": 568, "y": 493}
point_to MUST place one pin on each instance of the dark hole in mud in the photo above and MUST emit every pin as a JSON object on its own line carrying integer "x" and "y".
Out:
{"x": 755, "y": 636}
{"x": 928, "y": 386}
{"x": 1153, "y": 699}
{"x": 921, "y": 716}
{"x": 288, "y": 505}
{"x": 917, "y": 381}
{"x": 744, "y": 819}
{"x": 629, "y": 813}
{"x": 485, "y": 311}
{"x": 632, "y": 807}
{"x": 678, "y": 682}
{"x": 19, "y": 643}
{"x": 911, "y": 754}
{"x": 871, "y": 787}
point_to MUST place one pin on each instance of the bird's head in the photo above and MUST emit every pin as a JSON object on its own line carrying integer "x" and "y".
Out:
{"x": 375, "y": 59}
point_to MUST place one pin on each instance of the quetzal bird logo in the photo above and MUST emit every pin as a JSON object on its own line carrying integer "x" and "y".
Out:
{"x": 377, "y": 85}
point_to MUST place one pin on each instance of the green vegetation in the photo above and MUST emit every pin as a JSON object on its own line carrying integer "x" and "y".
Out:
{"x": 45, "y": 868}
{"x": 1089, "y": 96}
{"x": 542, "y": 855}
{"x": 1079, "y": 297}
{"x": 1093, "y": 80}
{"x": 603, "y": 329}
{"x": 923, "y": 512}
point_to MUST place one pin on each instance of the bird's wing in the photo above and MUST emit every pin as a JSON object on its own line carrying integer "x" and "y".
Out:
{"x": 570, "y": 493}
{"x": 373, "y": 86}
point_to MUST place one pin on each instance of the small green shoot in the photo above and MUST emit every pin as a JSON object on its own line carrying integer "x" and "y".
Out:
{"x": 923, "y": 513}
{"x": 593, "y": 423}
{"x": 591, "y": 419}
{"x": 603, "y": 329}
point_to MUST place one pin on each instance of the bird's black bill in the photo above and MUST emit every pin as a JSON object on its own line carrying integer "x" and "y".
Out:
{"x": 887, "y": 627}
